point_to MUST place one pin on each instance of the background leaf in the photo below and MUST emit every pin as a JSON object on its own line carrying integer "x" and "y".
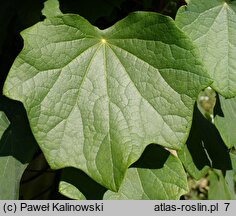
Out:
{"x": 70, "y": 191}
{"x": 221, "y": 187}
{"x": 4, "y": 123}
{"x": 211, "y": 25}
{"x": 75, "y": 184}
{"x": 225, "y": 120}
{"x": 160, "y": 176}
{"x": 17, "y": 147}
{"x": 96, "y": 98}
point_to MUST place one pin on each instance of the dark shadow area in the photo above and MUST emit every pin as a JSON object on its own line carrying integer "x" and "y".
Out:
{"x": 87, "y": 186}
{"x": 153, "y": 157}
{"x": 195, "y": 142}
{"x": 15, "y": 16}
{"x": 18, "y": 140}
{"x": 206, "y": 145}
{"x": 217, "y": 108}
{"x": 105, "y": 13}
{"x": 39, "y": 182}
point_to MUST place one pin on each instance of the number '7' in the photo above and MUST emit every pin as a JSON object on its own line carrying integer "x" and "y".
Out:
{"x": 227, "y": 205}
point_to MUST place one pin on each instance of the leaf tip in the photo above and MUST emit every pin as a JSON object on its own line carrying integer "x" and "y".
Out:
{"x": 51, "y": 8}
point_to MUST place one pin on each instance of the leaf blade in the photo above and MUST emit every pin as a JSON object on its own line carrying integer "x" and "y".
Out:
{"x": 211, "y": 25}
{"x": 226, "y": 123}
{"x": 90, "y": 110}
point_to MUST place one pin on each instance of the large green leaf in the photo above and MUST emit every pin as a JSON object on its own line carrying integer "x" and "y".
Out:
{"x": 212, "y": 26}
{"x": 96, "y": 98}
{"x": 226, "y": 121}
{"x": 165, "y": 180}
